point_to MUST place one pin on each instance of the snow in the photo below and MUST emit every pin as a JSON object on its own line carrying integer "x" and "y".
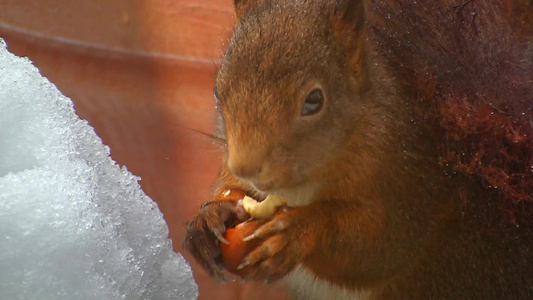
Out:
{"x": 73, "y": 224}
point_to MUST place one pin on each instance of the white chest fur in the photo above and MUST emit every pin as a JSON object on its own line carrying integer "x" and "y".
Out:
{"x": 306, "y": 286}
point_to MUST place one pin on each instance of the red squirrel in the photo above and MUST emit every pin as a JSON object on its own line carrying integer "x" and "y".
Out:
{"x": 401, "y": 134}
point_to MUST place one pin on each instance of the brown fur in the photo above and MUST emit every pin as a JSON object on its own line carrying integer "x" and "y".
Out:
{"x": 421, "y": 100}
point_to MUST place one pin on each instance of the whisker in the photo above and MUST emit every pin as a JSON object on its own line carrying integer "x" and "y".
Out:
{"x": 214, "y": 138}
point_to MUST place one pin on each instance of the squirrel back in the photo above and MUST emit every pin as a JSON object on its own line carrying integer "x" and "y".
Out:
{"x": 468, "y": 68}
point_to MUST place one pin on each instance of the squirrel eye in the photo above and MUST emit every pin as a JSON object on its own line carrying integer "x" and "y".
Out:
{"x": 313, "y": 103}
{"x": 215, "y": 92}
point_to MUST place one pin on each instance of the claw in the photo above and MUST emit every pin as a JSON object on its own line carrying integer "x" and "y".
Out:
{"x": 243, "y": 265}
{"x": 227, "y": 279}
{"x": 220, "y": 237}
{"x": 267, "y": 230}
{"x": 250, "y": 237}
{"x": 218, "y": 279}
{"x": 219, "y": 269}
{"x": 219, "y": 275}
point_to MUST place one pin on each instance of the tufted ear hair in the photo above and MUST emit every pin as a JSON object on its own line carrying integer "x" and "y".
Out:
{"x": 348, "y": 21}
{"x": 241, "y": 6}
{"x": 348, "y": 15}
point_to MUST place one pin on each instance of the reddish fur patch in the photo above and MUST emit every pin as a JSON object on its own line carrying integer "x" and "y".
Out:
{"x": 473, "y": 73}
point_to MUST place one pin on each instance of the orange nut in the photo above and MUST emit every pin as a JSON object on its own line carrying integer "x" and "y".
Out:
{"x": 234, "y": 253}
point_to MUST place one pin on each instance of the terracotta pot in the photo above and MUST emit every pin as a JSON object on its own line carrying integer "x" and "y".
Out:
{"x": 141, "y": 73}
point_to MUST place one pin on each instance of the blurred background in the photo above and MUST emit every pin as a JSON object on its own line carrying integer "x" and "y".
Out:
{"x": 142, "y": 74}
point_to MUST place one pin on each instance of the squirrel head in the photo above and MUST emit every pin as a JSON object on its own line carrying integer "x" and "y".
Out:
{"x": 291, "y": 89}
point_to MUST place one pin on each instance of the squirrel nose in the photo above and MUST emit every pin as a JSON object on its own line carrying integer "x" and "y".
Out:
{"x": 244, "y": 168}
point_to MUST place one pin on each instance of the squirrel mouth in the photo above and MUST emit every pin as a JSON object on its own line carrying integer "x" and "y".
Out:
{"x": 263, "y": 186}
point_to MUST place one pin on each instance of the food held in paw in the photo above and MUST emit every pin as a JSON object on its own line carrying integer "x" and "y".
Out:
{"x": 234, "y": 253}
{"x": 265, "y": 209}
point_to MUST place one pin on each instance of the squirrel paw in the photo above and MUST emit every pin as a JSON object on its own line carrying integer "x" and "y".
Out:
{"x": 284, "y": 247}
{"x": 205, "y": 232}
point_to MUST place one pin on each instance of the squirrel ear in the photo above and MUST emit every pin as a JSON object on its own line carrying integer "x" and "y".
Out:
{"x": 348, "y": 21}
{"x": 348, "y": 15}
{"x": 240, "y": 7}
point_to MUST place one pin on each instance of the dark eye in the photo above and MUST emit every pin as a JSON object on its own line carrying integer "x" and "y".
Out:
{"x": 313, "y": 103}
{"x": 215, "y": 92}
